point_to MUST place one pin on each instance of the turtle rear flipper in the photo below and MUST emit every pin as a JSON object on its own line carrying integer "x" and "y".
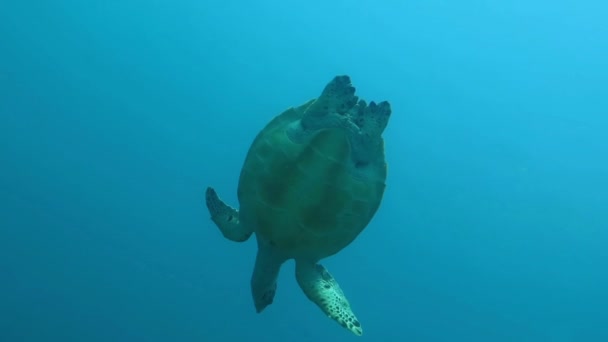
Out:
{"x": 339, "y": 107}
{"x": 226, "y": 218}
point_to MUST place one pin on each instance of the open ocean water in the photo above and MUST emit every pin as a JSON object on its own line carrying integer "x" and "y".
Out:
{"x": 115, "y": 116}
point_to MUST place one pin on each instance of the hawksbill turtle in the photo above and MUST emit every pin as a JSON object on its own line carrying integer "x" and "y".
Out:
{"x": 312, "y": 181}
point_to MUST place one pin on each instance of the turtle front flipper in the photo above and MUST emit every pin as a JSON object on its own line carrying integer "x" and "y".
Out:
{"x": 322, "y": 289}
{"x": 226, "y": 218}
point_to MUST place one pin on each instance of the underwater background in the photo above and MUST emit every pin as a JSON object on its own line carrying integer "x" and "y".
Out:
{"x": 116, "y": 115}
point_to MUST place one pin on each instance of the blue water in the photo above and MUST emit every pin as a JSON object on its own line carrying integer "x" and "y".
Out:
{"x": 115, "y": 116}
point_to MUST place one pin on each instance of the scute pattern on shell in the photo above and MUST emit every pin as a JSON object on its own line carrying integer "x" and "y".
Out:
{"x": 308, "y": 198}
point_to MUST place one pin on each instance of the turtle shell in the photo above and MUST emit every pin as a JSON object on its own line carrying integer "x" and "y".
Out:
{"x": 307, "y": 198}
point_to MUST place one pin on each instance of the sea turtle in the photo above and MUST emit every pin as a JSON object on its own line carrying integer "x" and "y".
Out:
{"x": 311, "y": 182}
